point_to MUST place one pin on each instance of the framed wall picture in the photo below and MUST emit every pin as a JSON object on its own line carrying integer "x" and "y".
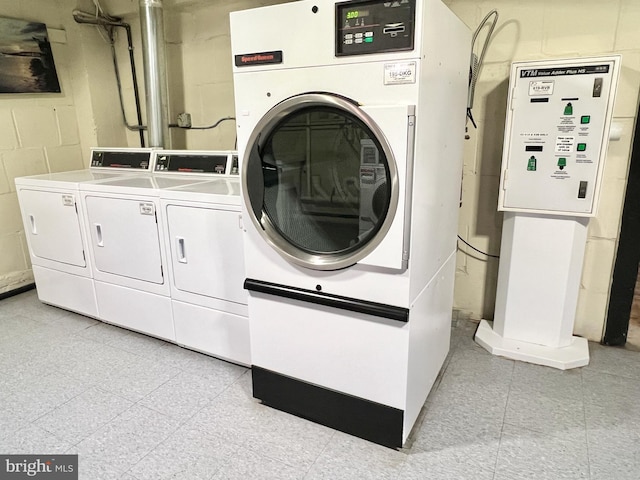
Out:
{"x": 26, "y": 60}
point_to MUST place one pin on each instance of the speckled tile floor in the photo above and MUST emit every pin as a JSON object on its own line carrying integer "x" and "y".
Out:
{"x": 138, "y": 408}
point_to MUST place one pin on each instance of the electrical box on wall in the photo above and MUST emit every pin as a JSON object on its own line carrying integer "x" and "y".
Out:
{"x": 556, "y": 133}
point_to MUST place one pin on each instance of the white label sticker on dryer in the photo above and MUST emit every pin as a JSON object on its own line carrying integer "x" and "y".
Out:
{"x": 68, "y": 201}
{"x": 399, "y": 73}
{"x": 147, "y": 208}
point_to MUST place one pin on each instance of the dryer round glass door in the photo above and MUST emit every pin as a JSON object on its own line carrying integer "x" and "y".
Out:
{"x": 320, "y": 181}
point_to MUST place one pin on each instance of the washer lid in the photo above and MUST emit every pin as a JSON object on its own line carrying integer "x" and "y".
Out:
{"x": 311, "y": 171}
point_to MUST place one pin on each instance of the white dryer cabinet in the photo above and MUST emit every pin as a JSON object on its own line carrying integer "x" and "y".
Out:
{"x": 204, "y": 237}
{"x": 351, "y": 160}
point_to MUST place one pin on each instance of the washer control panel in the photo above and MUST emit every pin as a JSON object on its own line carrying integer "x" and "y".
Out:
{"x": 556, "y": 135}
{"x": 122, "y": 158}
{"x": 196, "y": 162}
{"x": 374, "y": 26}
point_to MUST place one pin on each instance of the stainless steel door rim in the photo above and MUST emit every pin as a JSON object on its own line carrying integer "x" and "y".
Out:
{"x": 262, "y": 222}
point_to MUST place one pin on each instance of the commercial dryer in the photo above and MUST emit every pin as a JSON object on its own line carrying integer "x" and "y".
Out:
{"x": 203, "y": 234}
{"x": 51, "y": 212}
{"x": 350, "y": 125}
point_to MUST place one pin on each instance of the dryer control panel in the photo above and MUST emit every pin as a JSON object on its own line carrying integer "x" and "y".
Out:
{"x": 374, "y": 26}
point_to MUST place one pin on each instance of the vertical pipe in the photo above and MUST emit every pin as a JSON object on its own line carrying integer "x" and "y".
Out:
{"x": 134, "y": 77}
{"x": 155, "y": 70}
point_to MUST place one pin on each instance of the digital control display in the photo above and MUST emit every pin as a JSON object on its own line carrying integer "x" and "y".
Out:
{"x": 374, "y": 26}
{"x": 351, "y": 14}
{"x": 176, "y": 162}
{"x": 110, "y": 159}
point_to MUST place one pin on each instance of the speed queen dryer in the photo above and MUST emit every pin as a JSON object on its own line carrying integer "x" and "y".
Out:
{"x": 56, "y": 236}
{"x": 203, "y": 231}
{"x": 350, "y": 124}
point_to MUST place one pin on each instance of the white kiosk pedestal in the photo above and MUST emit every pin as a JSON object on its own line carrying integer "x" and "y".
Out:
{"x": 541, "y": 261}
{"x": 558, "y": 117}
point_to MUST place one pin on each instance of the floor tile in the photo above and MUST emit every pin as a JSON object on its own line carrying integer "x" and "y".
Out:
{"x": 459, "y": 423}
{"x": 90, "y": 410}
{"x": 188, "y": 454}
{"x": 245, "y": 464}
{"x": 240, "y": 419}
{"x": 184, "y": 395}
{"x": 468, "y": 406}
{"x": 135, "y": 408}
{"x": 17, "y": 411}
{"x": 613, "y": 360}
{"x": 27, "y": 304}
{"x": 540, "y": 381}
{"x": 103, "y": 333}
{"x": 5, "y": 382}
{"x": 289, "y": 439}
{"x": 134, "y": 377}
{"x": 234, "y": 414}
{"x": 468, "y": 461}
{"x": 84, "y": 359}
{"x": 123, "y": 442}
{"x": 544, "y": 414}
{"x": 13, "y": 324}
{"x": 524, "y": 454}
{"x": 197, "y": 363}
{"x": 122, "y": 339}
{"x": 346, "y": 457}
{"x": 71, "y": 322}
{"x": 137, "y": 343}
{"x": 608, "y": 417}
{"x": 478, "y": 369}
{"x": 18, "y": 348}
{"x": 610, "y": 390}
{"x": 30, "y": 439}
{"x": 463, "y": 334}
{"x": 36, "y": 395}
{"x": 614, "y": 453}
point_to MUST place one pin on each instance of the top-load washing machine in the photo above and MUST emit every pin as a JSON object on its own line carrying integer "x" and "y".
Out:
{"x": 56, "y": 236}
{"x": 350, "y": 125}
{"x": 203, "y": 234}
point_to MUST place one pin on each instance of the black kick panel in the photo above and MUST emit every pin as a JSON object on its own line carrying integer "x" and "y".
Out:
{"x": 372, "y": 421}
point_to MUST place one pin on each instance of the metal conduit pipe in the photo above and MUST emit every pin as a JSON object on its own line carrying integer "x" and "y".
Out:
{"x": 82, "y": 17}
{"x": 155, "y": 70}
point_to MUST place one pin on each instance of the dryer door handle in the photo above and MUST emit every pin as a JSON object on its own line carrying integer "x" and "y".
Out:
{"x": 99, "y": 239}
{"x": 32, "y": 221}
{"x": 182, "y": 254}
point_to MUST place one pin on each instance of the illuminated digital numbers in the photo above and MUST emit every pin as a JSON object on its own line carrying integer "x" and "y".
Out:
{"x": 353, "y": 14}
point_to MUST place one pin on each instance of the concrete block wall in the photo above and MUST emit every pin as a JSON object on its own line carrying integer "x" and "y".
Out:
{"x": 200, "y": 81}
{"x": 40, "y": 134}
{"x": 531, "y": 31}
